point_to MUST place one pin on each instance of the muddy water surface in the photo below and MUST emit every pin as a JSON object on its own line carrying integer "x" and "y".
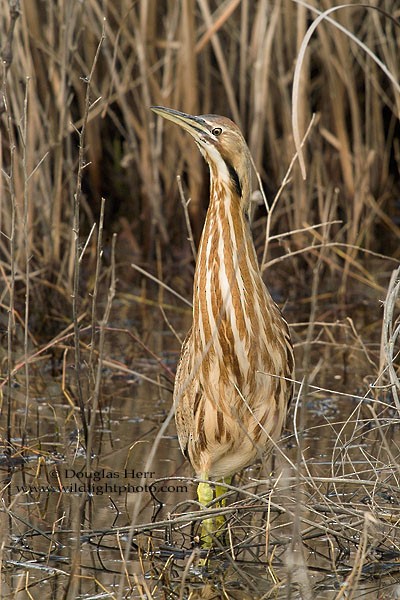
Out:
{"x": 321, "y": 519}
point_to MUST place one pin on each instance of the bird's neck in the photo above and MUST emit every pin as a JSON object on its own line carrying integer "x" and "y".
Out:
{"x": 227, "y": 276}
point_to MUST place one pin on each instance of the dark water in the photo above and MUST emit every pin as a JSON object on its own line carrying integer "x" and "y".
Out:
{"x": 321, "y": 521}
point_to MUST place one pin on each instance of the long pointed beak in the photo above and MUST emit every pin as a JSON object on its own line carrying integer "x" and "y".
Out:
{"x": 196, "y": 126}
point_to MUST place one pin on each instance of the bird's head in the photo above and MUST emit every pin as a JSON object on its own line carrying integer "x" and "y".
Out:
{"x": 223, "y": 146}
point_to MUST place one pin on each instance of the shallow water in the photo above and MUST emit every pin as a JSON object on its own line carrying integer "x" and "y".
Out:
{"x": 125, "y": 522}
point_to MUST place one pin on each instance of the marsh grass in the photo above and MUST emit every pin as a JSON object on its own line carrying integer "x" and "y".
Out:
{"x": 90, "y": 318}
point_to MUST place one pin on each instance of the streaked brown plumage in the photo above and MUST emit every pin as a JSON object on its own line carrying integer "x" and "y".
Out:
{"x": 232, "y": 385}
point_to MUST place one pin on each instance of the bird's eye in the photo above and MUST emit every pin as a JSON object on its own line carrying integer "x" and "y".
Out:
{"x": 216, "y": 131}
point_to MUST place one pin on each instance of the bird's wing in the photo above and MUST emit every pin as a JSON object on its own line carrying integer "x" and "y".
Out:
{"x": 185, "y": 391}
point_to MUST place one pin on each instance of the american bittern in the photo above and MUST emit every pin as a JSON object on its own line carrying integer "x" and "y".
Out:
{"x": 233, "y": 382}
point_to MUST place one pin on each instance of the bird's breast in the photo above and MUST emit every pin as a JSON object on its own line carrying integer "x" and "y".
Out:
{"x": 237, "y": 322}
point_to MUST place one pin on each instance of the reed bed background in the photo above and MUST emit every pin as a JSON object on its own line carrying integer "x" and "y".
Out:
{"x": 234, "y": 58}
{"x": 89, "y": 185}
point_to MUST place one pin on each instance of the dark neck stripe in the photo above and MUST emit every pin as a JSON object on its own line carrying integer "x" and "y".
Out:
{"x": 234, "y": 178}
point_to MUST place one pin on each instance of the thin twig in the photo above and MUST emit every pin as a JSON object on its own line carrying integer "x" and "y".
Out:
{"x": 7, "y": 50}
{"x": 185, "y": 204}
{"x": 161, "y": 283}
{"x": 24, "y": 133}
{"x": 100, "y": 360}
{"x": 284, "y": 183}
{"x": 76, "y": 219}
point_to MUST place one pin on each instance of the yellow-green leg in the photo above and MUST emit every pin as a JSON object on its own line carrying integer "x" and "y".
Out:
{"x": 211, "y": 526}
{"x": 205, "y": 495}
{"x": 220, "y": 490}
